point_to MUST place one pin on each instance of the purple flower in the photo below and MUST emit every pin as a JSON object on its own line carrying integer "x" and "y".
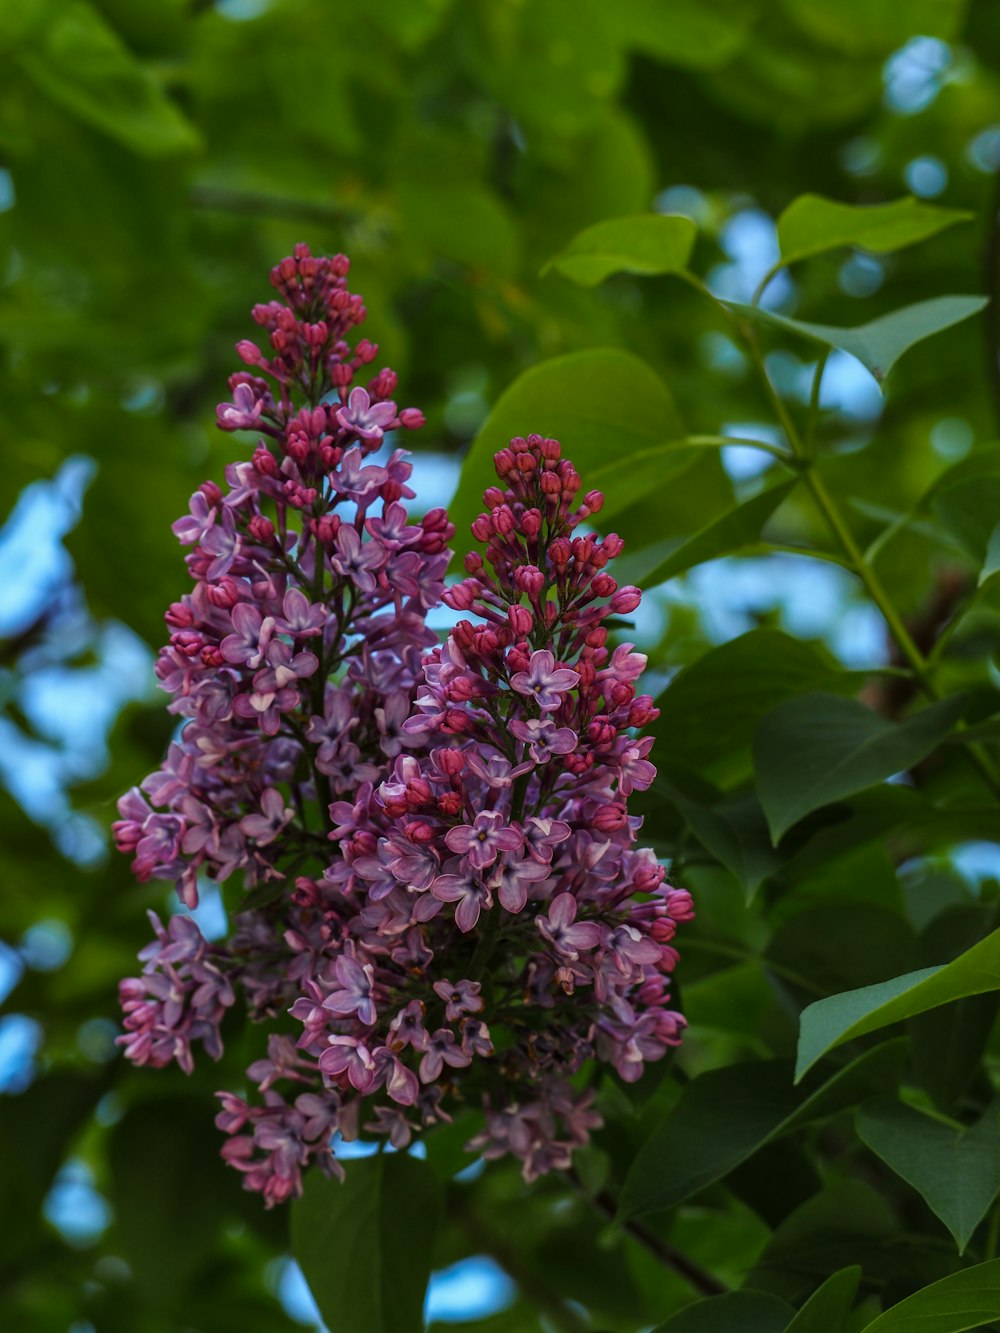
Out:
{"x": 543, "y": 738}
{"x": 470, "y": 895}
{"x": 559, "y": 929}
{"x": 348, "y": 1058}
{"x": 300, "y": 617}
{"x": 356, "y": 560}
{"x": 355, "y": 986}
{"x": 442, "y": 1050}
{"x": 514, "y": 878}
{"x": 461, "y": 997}
{"x": 484, "y": 839}
{"x": 242, "y": 412}
{"x": 250, "y": 637}
{"x": 192, "y": 528}
{"x": 543, "y": 681}
{"x": 407, "y": 1028}
{"x": 364, "y": 417}
{"x": 274, "y": 815}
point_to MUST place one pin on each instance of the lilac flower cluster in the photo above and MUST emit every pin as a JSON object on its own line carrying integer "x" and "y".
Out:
{"x": 435, "y": 838}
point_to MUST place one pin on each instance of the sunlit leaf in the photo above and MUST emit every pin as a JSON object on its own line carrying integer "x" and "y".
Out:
{"x": 647, "y": 243}
{"x": 811, "y": 225}
{"x": 964, "y": 1300}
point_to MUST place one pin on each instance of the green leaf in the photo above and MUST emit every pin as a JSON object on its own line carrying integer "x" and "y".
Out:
{"x": 646, "y": 243}
{"x": 747, "y": 1311}
{"x": 991, "y": 565}
{"x": 956, "y": 1170}
{"x": 82, "y": 64}
{"x": 963, "y": 1300}
{"x": 827, "y": 1309}
{"x": 839, "y": 1018}
{"x": 365, "y": 1246}
{"x": 734, "y": 831}
{"x": 712, "y": 708}
{"x": 879, "y": 344}
{"x": 618, "y": 437}
{"x": 811, "y": 225}
{"x": 725, "y": 1115}
{"x": 685, "y": 32}
{"x": 818, "y": 748}
{"x": 740, "y": 527}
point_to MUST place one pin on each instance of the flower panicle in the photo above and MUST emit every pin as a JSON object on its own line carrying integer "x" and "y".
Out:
{"x": 436, "y": 836}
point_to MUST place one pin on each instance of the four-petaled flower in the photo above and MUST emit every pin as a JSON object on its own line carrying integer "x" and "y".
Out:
{"x": 559, "y": 929}
{"x": 546, "y": 683}
{"x": 364, "y": 417}
{"x": 484, "y": 839}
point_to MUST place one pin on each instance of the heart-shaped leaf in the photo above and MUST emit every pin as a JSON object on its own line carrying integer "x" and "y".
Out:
{"x": 956, "y": 1170}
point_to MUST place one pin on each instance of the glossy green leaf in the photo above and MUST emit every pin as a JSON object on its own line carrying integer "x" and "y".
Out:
{"x": 827, "y": 1309}
{"x": 81, "y": 63}
{"x": 879, "y": 344}
{"x": 956, "y": 1170}
{"x": 964, "y": 1300}
{"x": 365, "y": 1246}
{"x": 725, "y": 1115}
{"x": 627, "y": 450}
{"x": 818, "y": 748}
{"x": 811, "y": 225}
{"x": 734, "y": 831}
{"x": 839, "y": 1018}
{"x": 740, "y": 527}
{"x": 646, "y": 243}
{"x": 748, "y": 1311}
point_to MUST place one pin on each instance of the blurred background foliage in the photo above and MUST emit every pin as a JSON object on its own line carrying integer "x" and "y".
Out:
{"x": 155, "y": 160}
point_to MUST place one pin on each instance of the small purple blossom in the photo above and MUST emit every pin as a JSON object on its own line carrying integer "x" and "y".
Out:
{"x": 484, "y": 839}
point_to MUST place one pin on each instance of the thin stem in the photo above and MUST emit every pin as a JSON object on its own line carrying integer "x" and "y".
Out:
{"x": 828, "y": 507}
{"x": 723, "y": 441}
{"x": 765, "y": 281}
{"x": 704, "y": 1282}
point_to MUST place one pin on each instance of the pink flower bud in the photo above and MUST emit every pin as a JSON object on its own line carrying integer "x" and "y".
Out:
{"x": 520, "y": 620}
{"x": 411, "y": 418}
{"x": 625, "y": 600}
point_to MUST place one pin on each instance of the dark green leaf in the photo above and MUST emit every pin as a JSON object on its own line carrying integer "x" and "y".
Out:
{"x": 812, "y": 224}
{"x": 725, "y": 1115}
{"x": 748, "y": 1311}
{"x": 964, "y": 1300}
{"x": 827, "y": 1309}
{"x": 956, "y": 1170}
{"x": 740, "y": 527}
{"x": 879, "y": 344}
{"x": 365, "y": 1246}
{"x": 647, "y": 243}
{"x": 818, "y": 748}
{"x": 830, "y": 1022}
{"x": 711, "y": 710}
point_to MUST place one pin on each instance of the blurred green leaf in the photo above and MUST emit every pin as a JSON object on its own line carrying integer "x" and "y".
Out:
{"x": 365, "y": 1245}
{"x": 957, "y": 1171}
{"x": 961, "y": 1301}
{"x": 686, "y": 32}
{"x": 80, "y": 62}
{"x": 879, "y": 344}
{"x": 818, "y": 748}
{"x": 618, "y": 436}
{"x": 647, "y": 243}
{"x": 839, "y": 1018}
{"x": 811, "y": 225}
